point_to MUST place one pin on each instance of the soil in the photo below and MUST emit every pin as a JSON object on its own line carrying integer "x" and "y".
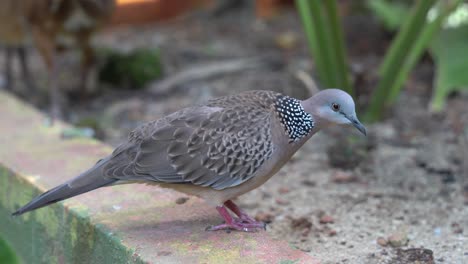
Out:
{"x": 398, "y": 196}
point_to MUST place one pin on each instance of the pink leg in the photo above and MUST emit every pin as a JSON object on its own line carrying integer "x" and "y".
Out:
{"x": 233, "y": 224}
{"x": 241, "y": 214}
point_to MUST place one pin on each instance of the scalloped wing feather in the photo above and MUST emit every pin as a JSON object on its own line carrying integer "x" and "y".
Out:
{"x": 221, "y": 144}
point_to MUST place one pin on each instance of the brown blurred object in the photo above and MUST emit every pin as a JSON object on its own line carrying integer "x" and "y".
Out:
{"x": 269, "y": 8}
{"x": 13, "y": 40}
{"x": 77, "y": 19}
{"x": 145, "y": 11}
{"x": 50, "y": 20}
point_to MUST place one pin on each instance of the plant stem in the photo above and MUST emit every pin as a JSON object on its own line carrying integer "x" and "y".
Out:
{"x": 320, "y": 27}
{"x": 306, "y": 17}
{"x": 422, "y": 42}
{"x": 391, "y": 69}
{"x": 323, "y": 30}
{"x": 337, "y": 43}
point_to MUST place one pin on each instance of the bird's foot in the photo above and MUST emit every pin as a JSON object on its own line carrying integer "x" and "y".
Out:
{"x": 244, "y": 223}
{"x": 247, "y": 219}
{"x": 250, "y": 222}
{"x": 238, "y": 225}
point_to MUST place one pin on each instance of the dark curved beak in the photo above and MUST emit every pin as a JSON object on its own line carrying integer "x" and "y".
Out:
{"x": 357, "y": 124}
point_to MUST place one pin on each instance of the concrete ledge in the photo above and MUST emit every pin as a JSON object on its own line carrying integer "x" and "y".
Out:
{"x": 121, "y": 224}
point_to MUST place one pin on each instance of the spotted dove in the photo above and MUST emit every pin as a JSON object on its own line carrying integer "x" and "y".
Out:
{"x": 216, "y": 151}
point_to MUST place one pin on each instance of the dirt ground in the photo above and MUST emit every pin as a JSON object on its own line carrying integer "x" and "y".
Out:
{"x": 398, "y": 196}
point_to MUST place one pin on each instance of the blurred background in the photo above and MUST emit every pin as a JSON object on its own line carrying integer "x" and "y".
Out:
{"x": 107, "y": 66}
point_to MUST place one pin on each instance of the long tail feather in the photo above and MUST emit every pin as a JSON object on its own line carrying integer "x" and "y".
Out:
{"x": 85, "y": 182}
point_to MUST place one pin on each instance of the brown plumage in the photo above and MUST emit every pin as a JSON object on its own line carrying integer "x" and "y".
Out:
{"x": 221, "y": 144}
{"x": 216, "y": 151}
{"x": 49, "y": 20}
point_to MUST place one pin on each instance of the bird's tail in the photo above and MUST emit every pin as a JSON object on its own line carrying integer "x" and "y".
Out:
{"x": 85, "y": 182}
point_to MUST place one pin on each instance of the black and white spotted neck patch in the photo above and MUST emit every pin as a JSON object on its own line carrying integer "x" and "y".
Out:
{"x": 296, "y": 122}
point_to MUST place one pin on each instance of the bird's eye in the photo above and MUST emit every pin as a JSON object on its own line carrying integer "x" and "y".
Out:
{"x": 335, "y": 107}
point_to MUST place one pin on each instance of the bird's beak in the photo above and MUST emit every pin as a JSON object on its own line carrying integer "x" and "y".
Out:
{"x": 357, "y": 124}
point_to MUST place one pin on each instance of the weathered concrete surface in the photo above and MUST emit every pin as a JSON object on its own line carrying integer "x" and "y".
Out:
{"x": 121, "y": 224}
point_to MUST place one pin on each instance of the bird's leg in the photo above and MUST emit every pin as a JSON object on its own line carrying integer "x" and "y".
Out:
{"x": 231, "y": 224}
{"x": 87, "y": 61}
{"x": 55, "y": 95}
{"x": 45, "y": 42}
{"x": 23, "y": 60}
{"x": 8, "y": 68}
{"x": 243, "y": 216}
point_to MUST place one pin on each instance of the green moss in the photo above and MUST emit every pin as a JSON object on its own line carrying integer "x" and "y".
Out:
{"x": 12, "y": 198}
{"x": 288, "y": 261}
{"x": 55, "y": 234}
{"x": 48, "y": 219}
{"x": 210, "y": 252}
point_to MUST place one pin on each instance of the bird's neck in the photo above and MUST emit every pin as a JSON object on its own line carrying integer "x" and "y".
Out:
{"x": 312, "y": 106}
{"x": 296, "y": 122}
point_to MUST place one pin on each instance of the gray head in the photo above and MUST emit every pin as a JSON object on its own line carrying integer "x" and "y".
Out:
{"x": 333, "y": 107}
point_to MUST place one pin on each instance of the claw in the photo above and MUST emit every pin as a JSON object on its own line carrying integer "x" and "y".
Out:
{"x": 234, "y": 226}
{"x": 244, "y": 223}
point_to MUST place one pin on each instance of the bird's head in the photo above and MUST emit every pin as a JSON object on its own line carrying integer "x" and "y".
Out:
{"x": 333, "y": 107}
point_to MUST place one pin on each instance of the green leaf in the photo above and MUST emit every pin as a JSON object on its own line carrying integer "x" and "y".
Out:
{"x": 390, "y": 13}
{"x": 448, "y": 50}
{"x": 6, "y": 253}
{"x": 412, "y": 38}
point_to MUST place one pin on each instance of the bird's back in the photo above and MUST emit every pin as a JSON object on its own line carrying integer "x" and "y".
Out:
{"x": 220, "y": 144}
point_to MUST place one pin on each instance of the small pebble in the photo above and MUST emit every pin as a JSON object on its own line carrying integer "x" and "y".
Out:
{"x": 182, "y": 200}
{"x": 326, "y": 219}
{"x": 264, "y": 217}
{"x": 301, "y": 223}
{"x": 309, "y": 183}
{"x": 340, "y": 176}
{"x": 398, "y": 239}
{"x": 331, "y": 232}
{"x": 382, "y": 241}
{"x": 456, "y": 228}
{"x": 281, "y": 201}
{"x": 305, "y": 232}
{"x": 164, "y": 253}
{"x": 283, "y": 190}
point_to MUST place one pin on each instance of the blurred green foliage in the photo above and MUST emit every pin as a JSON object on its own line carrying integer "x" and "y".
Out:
{"x": 132, "y": 70}
{"x": 434, "y": 24}
{"x": 7, "y": 256}
{"x": 449, "y": 49}
{"x": 322, "y": 27}
{"x": 389, "y": 12}
{"x": 444, "y": 32}
{"x": 407, "y": 47}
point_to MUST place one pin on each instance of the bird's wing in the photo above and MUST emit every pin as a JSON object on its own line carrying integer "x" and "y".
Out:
{"x": 221, "y": 144}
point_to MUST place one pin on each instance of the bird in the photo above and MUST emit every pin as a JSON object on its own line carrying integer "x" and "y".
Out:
{"x": 53, "y": 24}
{"x": 52, "y": 20}
{"x": 217, "y": 151}
{"x": 13, "y": 39}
